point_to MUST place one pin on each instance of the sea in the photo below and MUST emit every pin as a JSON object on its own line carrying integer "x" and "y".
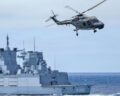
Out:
{"x": 103, "y": 84}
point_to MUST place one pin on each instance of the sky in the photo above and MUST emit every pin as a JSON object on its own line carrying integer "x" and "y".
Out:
{"x": 24, "y": 20}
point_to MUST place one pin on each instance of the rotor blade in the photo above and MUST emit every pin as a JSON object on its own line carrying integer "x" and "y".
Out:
{"x": 94, "y": 6}
{"x": 72, "y": 9}
{"x": 48, "y": 20}
{"x": 50, "y": 25}
{"x": 52, "y": 12}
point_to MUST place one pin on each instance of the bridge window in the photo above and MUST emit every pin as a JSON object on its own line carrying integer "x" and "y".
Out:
{"x": 1, "y": 72}
{"x": 53, "y": 83}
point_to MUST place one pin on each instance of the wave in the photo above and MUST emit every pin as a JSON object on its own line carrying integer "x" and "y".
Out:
{"x": 117, "y": 94}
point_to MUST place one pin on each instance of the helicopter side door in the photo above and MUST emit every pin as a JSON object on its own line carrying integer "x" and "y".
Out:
{"x": 89, "y": 24}
{"x": 79, "y": 24}
{"x": 82, "y": 24}
{"x": 85, "y": 24}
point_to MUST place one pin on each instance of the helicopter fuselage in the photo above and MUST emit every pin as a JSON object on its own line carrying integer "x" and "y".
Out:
{"x": 87, "y": 23}
{"x": 81, "y": 21}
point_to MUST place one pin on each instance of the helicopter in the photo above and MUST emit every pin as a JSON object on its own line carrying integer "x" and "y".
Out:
{"x": 80, "y": 21}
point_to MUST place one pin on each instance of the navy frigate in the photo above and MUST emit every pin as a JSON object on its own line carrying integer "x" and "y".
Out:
{"x": 31, "y": 76}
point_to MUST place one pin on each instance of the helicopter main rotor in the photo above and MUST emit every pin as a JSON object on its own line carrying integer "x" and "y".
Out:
{"x": 81, "y": 14}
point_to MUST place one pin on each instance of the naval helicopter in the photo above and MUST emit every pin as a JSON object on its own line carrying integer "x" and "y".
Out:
{"x": 80, "y": 21}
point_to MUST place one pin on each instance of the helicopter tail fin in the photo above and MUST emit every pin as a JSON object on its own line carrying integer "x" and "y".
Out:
{"x": 53, "y": 18}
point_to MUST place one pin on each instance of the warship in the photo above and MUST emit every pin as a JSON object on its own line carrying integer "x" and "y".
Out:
{"x": 31, "y": 76}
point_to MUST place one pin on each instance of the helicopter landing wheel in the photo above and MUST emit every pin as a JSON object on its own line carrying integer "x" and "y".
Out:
{"x": 77, "y": 34}
{"x": 95, "y": 31}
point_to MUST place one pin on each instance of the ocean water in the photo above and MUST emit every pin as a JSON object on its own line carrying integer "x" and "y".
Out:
{"x": 102, "y": 83}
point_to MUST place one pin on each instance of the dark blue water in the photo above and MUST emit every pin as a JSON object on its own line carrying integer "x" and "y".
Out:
{"x": 102, "y": 83}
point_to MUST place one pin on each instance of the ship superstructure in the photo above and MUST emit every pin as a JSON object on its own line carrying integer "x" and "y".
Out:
{"x": 33, "y": 77}
{"x": 33, "y": 62}
{"x": 8, "y": 62}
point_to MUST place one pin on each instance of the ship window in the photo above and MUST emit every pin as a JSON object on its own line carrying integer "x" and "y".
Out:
{"x": 1, "y": 49}
{"x": 53, "y": 77}
{"x": 53, "y": 83}
{"x": 13, "y": 85}
{"x": 0, "y": 71}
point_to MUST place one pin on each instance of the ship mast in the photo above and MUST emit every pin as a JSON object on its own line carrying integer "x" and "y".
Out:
{"x": 34, "y": 46}
{"x": 7, "y": 38}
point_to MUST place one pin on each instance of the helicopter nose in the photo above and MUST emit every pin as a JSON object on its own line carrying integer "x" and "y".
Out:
{"x": 99, "y": 25}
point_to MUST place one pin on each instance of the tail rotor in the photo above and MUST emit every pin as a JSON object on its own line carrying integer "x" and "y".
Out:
{"x": 54, "y": 15}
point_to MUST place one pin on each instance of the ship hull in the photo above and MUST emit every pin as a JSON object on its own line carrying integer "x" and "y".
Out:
{"x": 63, "y": 90}
{"x": 74, "y": 89}
{"x": 29, "y": 91}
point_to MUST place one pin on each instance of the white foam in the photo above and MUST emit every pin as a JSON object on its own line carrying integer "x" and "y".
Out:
{"x": 92, "y": 95}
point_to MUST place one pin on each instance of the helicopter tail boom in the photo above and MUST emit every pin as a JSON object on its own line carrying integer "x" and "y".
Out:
{"x": 65, "y": 22}
{"x": 56, "y": 21}
{"x": 54, "y": 18}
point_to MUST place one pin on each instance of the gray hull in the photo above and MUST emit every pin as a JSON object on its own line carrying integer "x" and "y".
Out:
{"x": 29, "y": 91}
{"x": 64, "y": 90}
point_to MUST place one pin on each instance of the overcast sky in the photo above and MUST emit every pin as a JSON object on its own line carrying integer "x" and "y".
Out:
{"x": 24, "y": 19}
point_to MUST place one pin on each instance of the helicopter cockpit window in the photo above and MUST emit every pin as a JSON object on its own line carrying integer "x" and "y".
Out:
{"x": 95, "y": 20}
